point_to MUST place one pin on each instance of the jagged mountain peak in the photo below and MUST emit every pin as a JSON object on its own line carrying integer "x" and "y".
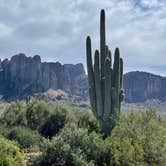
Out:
{"x": 22, "y": 76}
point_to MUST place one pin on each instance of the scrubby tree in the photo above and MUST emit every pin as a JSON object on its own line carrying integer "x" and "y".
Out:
{"x": 10, "y": 154}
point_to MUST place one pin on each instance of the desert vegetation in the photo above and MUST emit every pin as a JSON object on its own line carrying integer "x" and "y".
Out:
{"x": 42, "y": 133}
{"x": 105, "y": 81}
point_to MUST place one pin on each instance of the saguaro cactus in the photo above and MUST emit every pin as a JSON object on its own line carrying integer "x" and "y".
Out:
{"x": 105, "y": 81}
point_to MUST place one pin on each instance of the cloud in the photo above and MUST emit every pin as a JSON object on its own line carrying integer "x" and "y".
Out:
{"x": 57, "y": 30}
{"x": 5, "y": 30}
{"x": 150, "y": 3}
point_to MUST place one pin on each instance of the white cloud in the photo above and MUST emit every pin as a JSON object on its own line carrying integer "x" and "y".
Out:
{"x": 57, "y": 29}
{"x": 5, "y": 30}
{"x": 149, "y": 3}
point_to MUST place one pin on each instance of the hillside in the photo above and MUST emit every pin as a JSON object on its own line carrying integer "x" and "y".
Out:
{"x": 23, "y": 76}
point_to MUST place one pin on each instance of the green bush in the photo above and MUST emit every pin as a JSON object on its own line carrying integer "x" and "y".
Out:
{"x": 54, "y": 122}
{"x": 32, "y": 114}
{"x": 59, "y": 153}
{"x": 47, "y": 118}
{"x": 85, "y": 119}
{"x": 139, "y": 139}
{"x": 14, "y": 115}
{"x": 24, "y": 136}
{"x": 37, "y": 113}
{"x": 4, "y": 130}
{"x": 74, "y": 146}
{"x": 10, "y": 154}
{"x": 74, "y": 138}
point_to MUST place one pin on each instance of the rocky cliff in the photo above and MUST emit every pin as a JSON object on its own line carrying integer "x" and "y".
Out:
{"x": 142, "y": 86}
{"x": 22, "y": 76}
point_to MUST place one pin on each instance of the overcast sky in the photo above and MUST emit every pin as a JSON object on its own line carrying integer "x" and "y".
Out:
{"x": 56, "y": 30}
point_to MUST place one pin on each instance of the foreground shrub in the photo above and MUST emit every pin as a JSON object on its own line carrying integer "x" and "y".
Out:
{"x": 54, "y": 123}
{"x": 24, "y": 136}
{"x": 139, "y": 139}
{"x": 32, "y": 114}
{"x": 37, "y": 113}
{"x": 10, "y": 154}
{"x": 14, "y": 115}
{"x": 47, "y": 118}
{"x": 76, "y": 147}
{"x": 4, "y": 130}
{"x": 85, "y": 119}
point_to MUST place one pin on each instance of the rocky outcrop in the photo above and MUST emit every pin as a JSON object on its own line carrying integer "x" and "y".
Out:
{"x": 22, "y": 76}
{"x": 142, "y": 86}
{"x": 77, "y": 73}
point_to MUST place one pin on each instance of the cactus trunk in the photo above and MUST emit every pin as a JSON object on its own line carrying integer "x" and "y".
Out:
{"x": 105, "y": 81}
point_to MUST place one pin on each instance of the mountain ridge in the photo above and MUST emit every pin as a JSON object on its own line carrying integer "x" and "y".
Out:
{"x": 21, "y": 76}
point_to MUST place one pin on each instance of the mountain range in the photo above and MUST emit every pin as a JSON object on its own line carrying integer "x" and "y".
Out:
{"x": 23, "y": 76}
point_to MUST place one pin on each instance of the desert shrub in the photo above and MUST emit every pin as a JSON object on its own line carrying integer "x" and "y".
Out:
{"x": 76, "y": 146}
{"x": 36, "y": 113}
{"x": 139, "y": 139}
{"x": 85, "y": 119}
{"x": 30, "y": 114}
{"x": 10, "y": 154}
{"x": 4, "y": 130}
{"x": 57, "y": 153}
{"x": 24, "y": 136}
{"x": 47, "y": 118}
{"x": 54, "y": 122}
{"x": 14, "y": 115}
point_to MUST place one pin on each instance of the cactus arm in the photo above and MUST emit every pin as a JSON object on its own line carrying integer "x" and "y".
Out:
{"x": 110, "y": 56}
{"x": 98, "y": 85}
{"x": 117, "y": 76}
{"x": 117, "y": 69}
{"x": 121, "y": 72}
{"x": 102, "y": 50}
{"x": 92, "y": 92}
{"x": 113, "y": 96}
{"x": 121, "y": 95}
{"x": 107, "y": 85}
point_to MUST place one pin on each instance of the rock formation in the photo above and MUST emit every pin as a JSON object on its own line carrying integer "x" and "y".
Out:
{"x": 22, "y": 76}
{"x": 142, "y": 86}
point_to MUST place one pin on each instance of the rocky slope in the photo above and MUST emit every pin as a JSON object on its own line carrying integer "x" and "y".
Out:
{"x": 142, "y": 86}
{"x": 22, "y": 76}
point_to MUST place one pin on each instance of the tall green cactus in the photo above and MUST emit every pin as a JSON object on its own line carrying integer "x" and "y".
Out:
{"x": 105, "y": 81}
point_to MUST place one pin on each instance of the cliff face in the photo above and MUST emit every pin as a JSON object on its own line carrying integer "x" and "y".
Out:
{"x": 22, "y": 76}
{"x": 77, "y": 73}
{"x": 141, "y": 86}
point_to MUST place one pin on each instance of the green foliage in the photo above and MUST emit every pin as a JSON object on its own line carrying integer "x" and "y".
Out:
{"x": 36, "y": 113}
{"x": 85, "y": 119}
{"x": 45, "y": 117}
{"x": 74, "y": 146}
{"x": 15, "y": 114}
{"x": 139, "y": 139}
{"x": 105, "y": 81}
{"x": 4, "y": 130}
{"x": 58, "y": 152}
{"x": 54, "y": 122}
{"x": 10, "y": 154}
{"x": 24, "y": 136}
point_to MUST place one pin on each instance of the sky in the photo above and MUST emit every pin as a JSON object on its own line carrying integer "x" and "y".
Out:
{"x": 57, "y": 30}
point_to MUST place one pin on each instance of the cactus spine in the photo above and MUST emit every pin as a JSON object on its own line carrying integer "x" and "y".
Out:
{"x": 105, "y": 81}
